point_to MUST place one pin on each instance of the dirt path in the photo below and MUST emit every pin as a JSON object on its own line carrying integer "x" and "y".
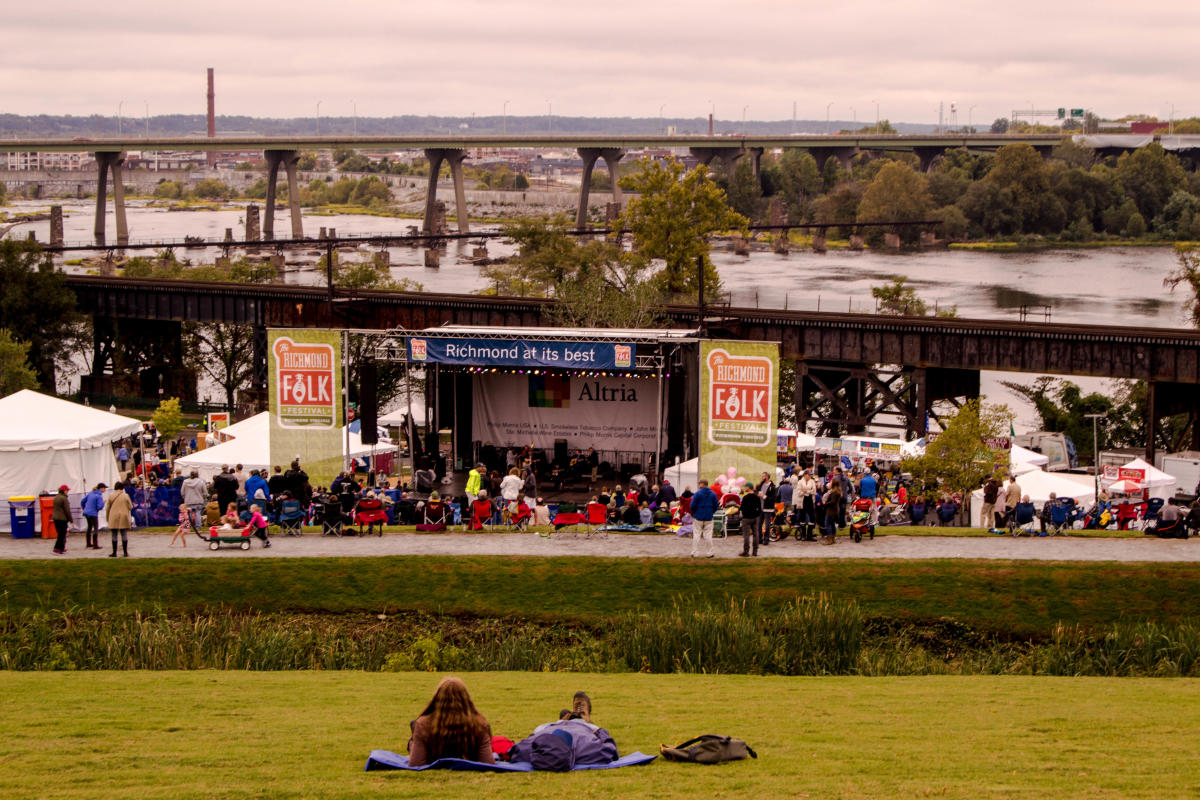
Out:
{"x": 155, "y": 545}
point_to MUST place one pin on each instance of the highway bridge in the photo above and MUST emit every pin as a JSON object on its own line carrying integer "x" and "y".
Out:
{"x": 838, "y": 357}
{"x": 453, "y": 150}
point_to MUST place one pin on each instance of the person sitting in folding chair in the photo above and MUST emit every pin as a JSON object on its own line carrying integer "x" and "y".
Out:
{"x": 369, "y": 510}
{"x": 481, "y": 512}
{"x": 329, "y": 514}
{"x": 434, "y": 515}
{"x": 519, "y": 512}
{"x": 1021, "y": 520}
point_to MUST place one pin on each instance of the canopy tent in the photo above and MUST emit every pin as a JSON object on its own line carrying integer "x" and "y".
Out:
{"x": 1038, "y": 484}
{"x": 1024, "y": 455}
{"x": 683, "y": 475}
{"x": 46, "y": 442}
{"x": 1159, "y": 483}
{"x": 259, "y": 422}
{"x": 395, "y": 418}
{"x": 252, "y": 449}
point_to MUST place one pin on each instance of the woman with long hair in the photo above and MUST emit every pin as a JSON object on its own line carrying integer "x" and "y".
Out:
{"x": 450, "y": 727}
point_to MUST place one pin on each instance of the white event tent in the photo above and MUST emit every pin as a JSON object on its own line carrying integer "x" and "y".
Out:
{"x": 252, "y": 449}
{"x": 1159, "y": 483}
{"x": 1038, "y": 485}
{"x": 46, "y": 442}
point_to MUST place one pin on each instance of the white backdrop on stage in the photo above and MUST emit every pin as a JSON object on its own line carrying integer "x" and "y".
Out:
{"x": 607, "y": 413}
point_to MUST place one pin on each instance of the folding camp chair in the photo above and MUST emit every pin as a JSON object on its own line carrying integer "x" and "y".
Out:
{"x": 330, "y": 514}
{"x": 481, "y": 514}
{"x": 568, "y": 516}
{"x": 291, "y": 518}
{"x": 435, "y": 514}
{"x": 370, "y": 511}
{"x": 597, "y": 517}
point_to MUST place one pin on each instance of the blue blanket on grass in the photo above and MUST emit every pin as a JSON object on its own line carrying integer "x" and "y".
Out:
{"x": 385, "y": 759}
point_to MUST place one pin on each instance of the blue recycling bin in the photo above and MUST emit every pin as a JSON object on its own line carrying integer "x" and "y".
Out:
{"x": 20, "y": 514}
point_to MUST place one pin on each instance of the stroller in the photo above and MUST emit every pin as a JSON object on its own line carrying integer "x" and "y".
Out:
{"x": 860, "y": 520}
{"x": 780, "y": 526}
{"x": 1022, "y": 519}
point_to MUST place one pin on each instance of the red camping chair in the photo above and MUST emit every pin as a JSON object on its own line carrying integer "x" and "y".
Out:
{"x": 520, "y": 518}
{"x": 370, "y": 511}
{"x": 434, "y": 519}
{"x": 481, "y": 514}
{"x": 597, "y": 517}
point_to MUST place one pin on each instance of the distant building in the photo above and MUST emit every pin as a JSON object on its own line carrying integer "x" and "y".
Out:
{"x": 62, "y": 161}
{"x": 1148, "y": 127}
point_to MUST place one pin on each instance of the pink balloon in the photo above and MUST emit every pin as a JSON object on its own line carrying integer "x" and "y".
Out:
{"x": 719, "y": 480}
{"x": 731, "y": 472}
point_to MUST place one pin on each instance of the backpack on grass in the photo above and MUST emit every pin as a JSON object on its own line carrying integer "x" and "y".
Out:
{"x": 708, "y": 749}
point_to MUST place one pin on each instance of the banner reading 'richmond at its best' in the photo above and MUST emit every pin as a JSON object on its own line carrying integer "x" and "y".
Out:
{"x": 305, "y": 382}
{"x": 739, "y": 408}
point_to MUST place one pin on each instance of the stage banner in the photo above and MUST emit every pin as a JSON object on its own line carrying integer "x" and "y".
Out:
{"x": 605, "y": 413}
{"x": 305, "y": 385}
{"x": 520, "y": 353}
{"x": 739, "y": 408}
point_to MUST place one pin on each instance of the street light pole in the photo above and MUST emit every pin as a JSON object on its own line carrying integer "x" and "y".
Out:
{"x": 355, "y": 105}
{"x": 120, "y": 105}
{"x": 1095, "y": 418}
{"x": 504, "y": 118}
{"x": 969, "y": 128}
{"x": 662, "y": 123}
{"x": 318, "y": 118}
{"x": 744, "y": 119}
{"x": 827, "y": 107}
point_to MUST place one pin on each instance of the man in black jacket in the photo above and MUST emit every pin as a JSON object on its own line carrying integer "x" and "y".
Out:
{"x": 226, "y": 486}
{"x": 751, "y": 512}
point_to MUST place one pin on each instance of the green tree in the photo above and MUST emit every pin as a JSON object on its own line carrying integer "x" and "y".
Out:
{"x": 1188, "y": 275}
{"x": 15, "y": 372}
{"x": 168, "y": 190}
{"x": 1150, "y": 174}
{"x": 224, "y": 353}
{"x": 521, "y": 183}
{"x": 212, "y": 189}
{"x": 1015, "y": 196}
{"x": 745, "y": 191}
{"x": 673, "y": 217}
{"x": 999, "y": 125}
{"x": 1177, "y": 216}
{"x": 355, "y": 163}
{"x": 168, "y": 418}
{"x": 800, "y": 183}
{"x": 899, "y": 299}
{"x": 1062, "y": 407}
{"x": 899, "y": 193}
{"x": 307, "y": 161}
{"x": 1135, "y": 227}
{"x": 959, "y": 459}
{"x": 340, "y": 154}
{"x": 35, "y": 303}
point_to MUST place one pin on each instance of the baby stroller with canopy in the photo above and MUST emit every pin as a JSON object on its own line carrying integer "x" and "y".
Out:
{"x": 779, "y": 526}
{"x": 860, "y": 520}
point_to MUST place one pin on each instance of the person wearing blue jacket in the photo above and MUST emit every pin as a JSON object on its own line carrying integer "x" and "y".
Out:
{"x": 93, "y": 504}
{"x": 254, "y": 484}
{"x": 704, "y": 506}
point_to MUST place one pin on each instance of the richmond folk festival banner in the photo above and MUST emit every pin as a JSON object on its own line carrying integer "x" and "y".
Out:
{"x": 305, "y": 384}
{"x": 739, "y": 408}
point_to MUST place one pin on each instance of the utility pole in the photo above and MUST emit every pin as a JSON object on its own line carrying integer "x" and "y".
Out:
{"x": 1095, "y": 418}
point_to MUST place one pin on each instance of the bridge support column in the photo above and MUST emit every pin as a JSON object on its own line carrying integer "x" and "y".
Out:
{"x": 455, "y": 158}
{"x": 107, "y": 163}
{"x": 589, "y": 156}
{"x": 927, "y": 156}
{"x": 289, "y": 159}
{"x": 728, "y": 155}
{"x": 845, "y": 155}
{"x": 612, "y": 156}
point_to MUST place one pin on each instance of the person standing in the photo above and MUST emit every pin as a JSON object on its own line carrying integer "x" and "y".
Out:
{"x": 61, "y": 515}
{"x": 704, "y": 507}
{"x": 193, "y": 493}
{"x": 1012, "y": 494}
{"x": 118, "y": 511}
{"x": 93, "y": 502}
{"x": 474, "y": 483}
{"x": 987, "y": 512}
{"x": 511, "y": 486}
{"x": 123, "y": 457}
{"x": 806, "y": 506}
{"x": 766, "y": 494}
{"x": 832, "y": 501}
{"x": 226, "y": 486}
{"x": 752, "y": 511}
{"x": 241, "y": 476}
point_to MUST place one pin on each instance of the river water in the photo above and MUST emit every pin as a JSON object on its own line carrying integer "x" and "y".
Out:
{"x": 1108, "y": 286}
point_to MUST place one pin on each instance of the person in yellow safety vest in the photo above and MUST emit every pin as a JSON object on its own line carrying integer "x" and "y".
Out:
{"x": 474, "y": 483}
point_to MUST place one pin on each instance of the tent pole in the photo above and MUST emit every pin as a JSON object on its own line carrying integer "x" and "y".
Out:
{"x": 658, "y": 473}
{"x": 411, "y": 429}
{"x": 347, "y": 461}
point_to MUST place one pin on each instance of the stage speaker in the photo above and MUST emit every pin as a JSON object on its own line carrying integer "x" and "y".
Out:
{"x": 368, "y": 403}
{"x": 560, "y": 452}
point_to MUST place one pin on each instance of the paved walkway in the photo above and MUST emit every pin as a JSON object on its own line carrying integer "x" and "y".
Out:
{"x": 155, "y": 545}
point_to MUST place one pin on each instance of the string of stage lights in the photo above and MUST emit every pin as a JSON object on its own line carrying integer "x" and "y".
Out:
{"x": 582, "y": 373}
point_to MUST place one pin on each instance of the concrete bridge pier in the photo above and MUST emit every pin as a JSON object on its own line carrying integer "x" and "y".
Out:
{"x": 107, "y": 163}
{"x": 454, "y": 157}
{"x": 845, "y": 155}
{"x": 928, "y": 155}
{"x": 612, "y": 156}
{"x": 729, "y": 156}
{"x": 289, "y": 159}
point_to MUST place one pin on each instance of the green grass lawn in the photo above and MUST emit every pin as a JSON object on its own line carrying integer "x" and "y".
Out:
{"x": 275, "y": 735}
{"x": 1020, "y": 597}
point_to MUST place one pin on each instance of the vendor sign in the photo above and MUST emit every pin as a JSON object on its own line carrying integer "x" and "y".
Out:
{"x": 218, "y": 420}
{"x": 739, "y": 383}
{"x": 582, "y": 355}
{"x": 305, "y": 387}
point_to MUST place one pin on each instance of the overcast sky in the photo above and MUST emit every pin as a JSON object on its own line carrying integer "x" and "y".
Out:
{"x": 617, "y": 58}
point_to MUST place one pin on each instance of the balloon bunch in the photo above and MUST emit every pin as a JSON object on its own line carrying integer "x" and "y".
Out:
{"x": 730, "y": 483}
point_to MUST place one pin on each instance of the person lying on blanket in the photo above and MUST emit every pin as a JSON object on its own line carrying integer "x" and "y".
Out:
{"x": 569, "y": 741}
{"x": 450, "y": 727}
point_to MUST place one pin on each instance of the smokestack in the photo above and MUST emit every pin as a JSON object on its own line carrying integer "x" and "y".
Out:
{"x": 710, "y": 128}
{"x": 211, "y": 157}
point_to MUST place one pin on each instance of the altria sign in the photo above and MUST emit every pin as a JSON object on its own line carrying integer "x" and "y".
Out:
{"x": 739, "y": 399}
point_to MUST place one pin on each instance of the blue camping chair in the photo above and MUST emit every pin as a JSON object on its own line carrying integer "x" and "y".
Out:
{"x": 1022, "y": 519}
{"x": 1060, "y": 515}
{"x": 291, "y": 517}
